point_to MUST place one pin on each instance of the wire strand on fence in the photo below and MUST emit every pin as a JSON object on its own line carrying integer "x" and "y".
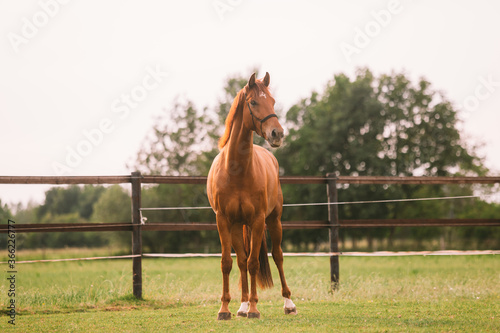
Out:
{"x": 286, "y": 254}
{"x": 345, "y": 254}
{"x": 329, "y": 203}
{"x": 379, "y": 201}
{"x": 74, "y": 259}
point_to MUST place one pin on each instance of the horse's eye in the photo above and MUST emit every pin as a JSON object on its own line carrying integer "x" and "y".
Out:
{"x": 254, "y": 103}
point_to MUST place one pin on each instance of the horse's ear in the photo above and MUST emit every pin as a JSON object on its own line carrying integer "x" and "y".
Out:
{"x": 251, "y": 81}
{"x": 267, "y": 79}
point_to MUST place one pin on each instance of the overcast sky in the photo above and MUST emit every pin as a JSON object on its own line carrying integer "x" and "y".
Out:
{"x": 81, "y": 81}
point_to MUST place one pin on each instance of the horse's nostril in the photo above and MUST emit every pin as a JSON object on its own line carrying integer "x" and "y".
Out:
{"x": 274, "y": 133}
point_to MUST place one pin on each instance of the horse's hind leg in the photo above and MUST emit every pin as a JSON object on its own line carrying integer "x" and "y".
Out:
{"x": 226, "y": 265}
{"x": 241, "y": 257}
{"x": 275, "y": 231}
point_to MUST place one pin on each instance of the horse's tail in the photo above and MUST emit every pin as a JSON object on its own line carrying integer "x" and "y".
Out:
{"x": 264, "y": 277}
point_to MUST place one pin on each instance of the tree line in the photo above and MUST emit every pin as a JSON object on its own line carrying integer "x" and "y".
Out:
{"x": 368, "y": 125}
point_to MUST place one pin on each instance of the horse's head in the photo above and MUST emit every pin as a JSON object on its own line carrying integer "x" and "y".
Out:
{"x": 259, "y": 111}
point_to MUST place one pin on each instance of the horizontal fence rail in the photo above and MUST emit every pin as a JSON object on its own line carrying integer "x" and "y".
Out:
{"x": 65, "y": 180}
{"x": 69, "y": 180}
{"x": 333, "y": 224}
{"x": 287, "y": 225}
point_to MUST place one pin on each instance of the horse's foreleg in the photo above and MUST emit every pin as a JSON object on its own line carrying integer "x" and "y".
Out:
{"x": 275, "y": 231}
{"x": 226, "y": 265}
{"x": 253, "y": 265}
{"x": 241, "y": 257}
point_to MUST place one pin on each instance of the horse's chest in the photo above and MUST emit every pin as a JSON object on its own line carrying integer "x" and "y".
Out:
{"x": 242, "y": 207}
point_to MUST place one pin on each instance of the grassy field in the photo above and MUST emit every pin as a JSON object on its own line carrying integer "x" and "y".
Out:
{"x": 376, "y": 294}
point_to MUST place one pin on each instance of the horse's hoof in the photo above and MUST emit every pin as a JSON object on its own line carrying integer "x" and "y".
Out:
{"x": 224, "y": 316}
{"x": 255, "y": 315}
{"x": 292, "y": 311}
{"x": 242, "y": 314}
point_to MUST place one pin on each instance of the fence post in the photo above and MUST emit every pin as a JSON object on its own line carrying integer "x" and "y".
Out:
{"x": 136, "y": 235}
{"x": 333, "y": 219}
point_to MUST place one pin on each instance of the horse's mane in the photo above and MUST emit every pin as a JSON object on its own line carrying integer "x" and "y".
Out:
{"x": 230, "y": 118}
{"x": 236, "y": 107}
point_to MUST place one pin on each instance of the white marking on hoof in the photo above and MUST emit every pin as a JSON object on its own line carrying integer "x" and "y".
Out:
{"x": 289, "y": 307}
{"x": 243, "y": 310}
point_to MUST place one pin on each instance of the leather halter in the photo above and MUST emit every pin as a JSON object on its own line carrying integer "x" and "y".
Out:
{"x": 255, "y": 117}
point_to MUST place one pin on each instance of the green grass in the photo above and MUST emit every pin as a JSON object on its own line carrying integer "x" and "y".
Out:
{"x": 452, "y": 293}
{"x": 463, "y": 316}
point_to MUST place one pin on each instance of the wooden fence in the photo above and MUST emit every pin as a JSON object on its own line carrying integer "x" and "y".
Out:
{"x": 333, "y": 224}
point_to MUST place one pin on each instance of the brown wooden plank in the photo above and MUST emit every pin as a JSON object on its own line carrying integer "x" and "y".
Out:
{"x": 303, "y": 180}
{"x": 173, "y": 180}
{"x": 182, "y": 226}
{"x": 305, "y": 224}
{"x": 66, "y": 227}
{"x": 377, "y": 223}
{"x": 416, "y": 180}
{"x": 203, "y": 180}
{"x": 59, "y": 180}
{"x": 64, "y": 180}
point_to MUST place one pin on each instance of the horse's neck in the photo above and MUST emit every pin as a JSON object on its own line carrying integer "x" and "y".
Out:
{"x": 240, "y": 149}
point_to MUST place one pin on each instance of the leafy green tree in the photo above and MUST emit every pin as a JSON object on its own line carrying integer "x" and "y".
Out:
{"x": 24, "y": 213}
{"x": 60, "y": 201}
{"x": 114, "y": 205}
{"x": 5, "y": 215}
{"x": 73, "y": 204}
{"x": 385, "y": 126}
{"x": 72, "y": 199}
{"x": 482, "y": 238}
{"x": 174, "y": 145}
{"x": 64, "y": 239}
{"x": 89, "y": 195}
{"x": 175, "y": 241}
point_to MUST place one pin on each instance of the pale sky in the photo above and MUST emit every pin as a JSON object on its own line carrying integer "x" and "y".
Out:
{"x": 81, "y": 81}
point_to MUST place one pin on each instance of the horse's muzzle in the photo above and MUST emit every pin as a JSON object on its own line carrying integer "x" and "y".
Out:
{"x": 275, "y": 138}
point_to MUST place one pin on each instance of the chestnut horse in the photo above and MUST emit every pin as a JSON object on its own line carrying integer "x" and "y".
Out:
{"x": 244, "y": 191}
